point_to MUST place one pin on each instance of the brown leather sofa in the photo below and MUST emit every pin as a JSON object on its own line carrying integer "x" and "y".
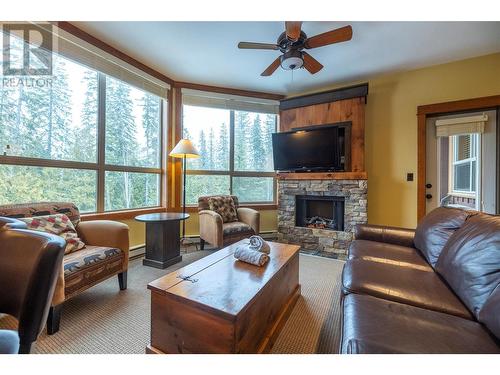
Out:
{"x": 219, "y": 234}
{"x": 105, "y": 254}
{"x": 435, "y": 289}
{"x": 29, "y": 266}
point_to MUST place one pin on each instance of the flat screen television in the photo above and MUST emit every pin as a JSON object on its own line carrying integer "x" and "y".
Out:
{"x": 318, "y": 148}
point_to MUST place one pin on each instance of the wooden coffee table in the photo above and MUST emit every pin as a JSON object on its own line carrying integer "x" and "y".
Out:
{"x": 221, "y": 305}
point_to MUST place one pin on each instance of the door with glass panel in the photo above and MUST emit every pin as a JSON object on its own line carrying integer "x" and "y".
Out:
{"x": 461, "y": 163}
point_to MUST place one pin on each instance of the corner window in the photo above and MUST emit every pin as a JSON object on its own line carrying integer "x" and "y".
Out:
{"x": 236, "y": 154}
{"x": 52, "y": 139}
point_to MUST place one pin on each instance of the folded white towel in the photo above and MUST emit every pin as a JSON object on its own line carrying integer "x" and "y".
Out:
{"x": 257, "y": 243}
{"x": 246, "y": 255}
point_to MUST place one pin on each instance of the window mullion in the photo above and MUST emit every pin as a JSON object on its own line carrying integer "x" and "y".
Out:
{"x": 231, "y": 150}
{"x": 101, "y": 138}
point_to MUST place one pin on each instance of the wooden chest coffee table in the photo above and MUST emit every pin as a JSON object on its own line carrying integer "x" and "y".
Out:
{"x": 221, "y": 305}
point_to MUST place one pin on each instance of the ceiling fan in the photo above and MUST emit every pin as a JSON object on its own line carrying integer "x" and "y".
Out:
{"x": 292, "y": 43}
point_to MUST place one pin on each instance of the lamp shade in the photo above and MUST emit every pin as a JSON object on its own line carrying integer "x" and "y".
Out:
{"x": 184, "y": 148}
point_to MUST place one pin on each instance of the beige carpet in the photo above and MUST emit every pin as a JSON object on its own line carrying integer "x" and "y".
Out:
{"x": 106, "y": 320}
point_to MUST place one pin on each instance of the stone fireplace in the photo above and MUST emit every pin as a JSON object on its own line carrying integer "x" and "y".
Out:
{"x": 319, "y": 215}
{"x": 318, "y": 209}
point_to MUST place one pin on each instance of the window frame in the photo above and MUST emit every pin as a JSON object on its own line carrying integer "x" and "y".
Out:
{"x": 231, "y": 172}
{"x": 100, "y": 165}
{"x": 475, "y": 151}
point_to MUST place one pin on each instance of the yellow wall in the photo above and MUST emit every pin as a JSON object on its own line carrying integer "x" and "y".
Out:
{"x": 137, "y": 232}
{"x": 391, "y": 135}
{"x": 268, "y": 222}
{"x": 391, "y": 127}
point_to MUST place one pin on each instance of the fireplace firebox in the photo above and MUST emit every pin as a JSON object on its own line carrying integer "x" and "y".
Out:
{"x": 322, "y": 212}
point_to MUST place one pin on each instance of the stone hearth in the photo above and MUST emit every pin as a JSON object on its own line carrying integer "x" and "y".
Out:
{"x": 324, "y": 242}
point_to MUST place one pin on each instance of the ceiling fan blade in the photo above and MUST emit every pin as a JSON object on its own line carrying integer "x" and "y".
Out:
{"x": 252, "y": 45}
{"x": 330, "y": 37}
{"x": 293, "y": 30}
{"x": 311, "y": 64}
{"x": 271, "y": 68}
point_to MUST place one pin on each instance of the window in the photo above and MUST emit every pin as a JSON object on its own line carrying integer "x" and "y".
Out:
{"x": 56, "y": 121}
{"x": 464, "y": 149}
{"x": 236, "y": 154}
{"x": 51, "y": 139}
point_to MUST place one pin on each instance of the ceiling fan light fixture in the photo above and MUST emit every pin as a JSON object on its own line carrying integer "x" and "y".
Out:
{"x": 292, "y": 60}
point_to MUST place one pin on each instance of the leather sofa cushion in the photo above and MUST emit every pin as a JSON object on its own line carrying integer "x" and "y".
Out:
{"x": 373, "y": 325}
{"x": 470, "y": 261}
{"x": 401, "y": 284}
{"x": 436, "y": 228}
{"x": 387, "y": 253}
{"x": 489, "y": 315}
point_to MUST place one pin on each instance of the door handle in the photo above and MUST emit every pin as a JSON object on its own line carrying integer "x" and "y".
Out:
{"x": 428, "y": 186}
{"x": 428, "y": 196}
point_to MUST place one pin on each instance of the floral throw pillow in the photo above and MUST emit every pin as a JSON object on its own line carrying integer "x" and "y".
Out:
{"x": 58, "y": 224}
{"x": 225, "y": 207}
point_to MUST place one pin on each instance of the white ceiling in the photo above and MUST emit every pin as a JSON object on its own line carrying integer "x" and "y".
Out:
{"x": 207, "y": 53}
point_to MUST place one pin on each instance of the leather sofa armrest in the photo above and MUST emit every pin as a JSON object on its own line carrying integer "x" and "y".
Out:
{"x": 363, "y": 346}
{"x": 250, "y": 217}
{"x": 11, "y": 223}
{"x": 378, "y": 233}
{"x": 105, "y": 233}
{"x": 211, "y": 227}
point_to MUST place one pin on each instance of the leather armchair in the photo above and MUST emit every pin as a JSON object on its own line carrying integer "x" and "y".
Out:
{"x": 214, "y": 231}
{"x": 30, "y": 264}
{"x": 105, "y": 254}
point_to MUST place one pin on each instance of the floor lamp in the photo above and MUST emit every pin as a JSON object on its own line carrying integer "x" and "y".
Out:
{"x": 182, "y": 150}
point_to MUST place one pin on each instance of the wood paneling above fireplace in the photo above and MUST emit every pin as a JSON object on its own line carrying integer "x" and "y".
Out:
{"x": 352, "y": 109}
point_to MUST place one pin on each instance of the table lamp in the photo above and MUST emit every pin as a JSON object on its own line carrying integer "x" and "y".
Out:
{"x": 182, "y": 150}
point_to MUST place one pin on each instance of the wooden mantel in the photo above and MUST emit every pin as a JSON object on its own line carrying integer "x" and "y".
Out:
{"x": 323, "y": 176}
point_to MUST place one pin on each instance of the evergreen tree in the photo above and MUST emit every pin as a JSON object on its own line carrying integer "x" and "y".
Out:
{"x": 202, "y": 146}
{"x": 59, "y": 141}
{"x": 86, "y": 147}
{"x": 257, "y": 147}
{"x": 121, "y": 144}
{"x": 150, "y": 123}
{"x": 211, "y": 150}
{"x": 241, "y": 126}
{"x": 222, "y": 150}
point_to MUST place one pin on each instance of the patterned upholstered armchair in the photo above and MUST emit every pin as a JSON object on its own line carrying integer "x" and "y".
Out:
{"x": 105, "y": 253}
{"x": 223, "y": 222}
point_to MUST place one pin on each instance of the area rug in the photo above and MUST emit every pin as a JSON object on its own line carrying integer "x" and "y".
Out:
{"x": 105, "y": 320}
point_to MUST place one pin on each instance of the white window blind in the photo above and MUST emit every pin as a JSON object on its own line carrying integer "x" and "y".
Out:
{"x": 231, "y": 102}
{"x": 87, "y": 54}
{"x": 461, "y": 125}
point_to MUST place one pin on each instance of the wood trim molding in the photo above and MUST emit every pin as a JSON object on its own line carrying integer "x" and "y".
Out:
{"x": 79, "y": 33}
{"x": 421, "y": 167}
{"x": 429, "y": 110}
{"x": 229, "y": 91}
{"x": 175, "y": 165}
{"x": 121, "y": 215}
{"x": 485, "y": 102}
{"x": 343, "y": 93}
